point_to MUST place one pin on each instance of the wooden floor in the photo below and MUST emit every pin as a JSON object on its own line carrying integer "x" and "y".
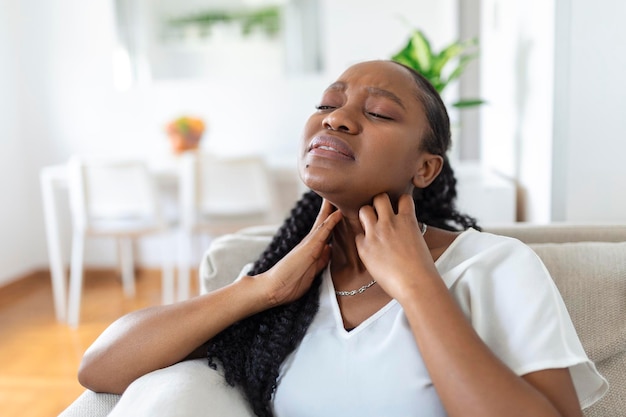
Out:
{"x": 38, "y": 356}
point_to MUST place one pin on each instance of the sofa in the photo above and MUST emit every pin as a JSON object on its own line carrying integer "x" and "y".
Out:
{"x": 587, "y": 263}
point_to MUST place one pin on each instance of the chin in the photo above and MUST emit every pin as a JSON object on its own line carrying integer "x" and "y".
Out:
{"x": 317, "y": 183}
{"x": 323, "y": 189}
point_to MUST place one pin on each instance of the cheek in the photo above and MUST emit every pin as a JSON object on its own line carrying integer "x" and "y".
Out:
{"x": 394, "y": 148}
{"x": 311, "y": 125}
{"x": 394, "y": 160}
{"x": 307, "y": 133}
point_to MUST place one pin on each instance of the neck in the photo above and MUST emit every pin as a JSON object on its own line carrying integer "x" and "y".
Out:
{"x": 345, "y": 254}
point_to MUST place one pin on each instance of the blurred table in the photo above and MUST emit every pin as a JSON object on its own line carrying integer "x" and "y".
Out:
{"x": 54, "y": 187}
{"x": 53, "y": 178}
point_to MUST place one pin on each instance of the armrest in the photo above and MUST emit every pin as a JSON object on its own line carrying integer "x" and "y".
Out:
{"x": 91, "y": 404}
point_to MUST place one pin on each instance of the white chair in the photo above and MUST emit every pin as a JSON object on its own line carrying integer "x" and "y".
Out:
{"x": 115, "y": 198}
{"x": 220, "y": 195}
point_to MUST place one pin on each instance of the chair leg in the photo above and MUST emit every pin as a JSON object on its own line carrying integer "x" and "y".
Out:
{"x": 185, "y": 247}
{"x": 76, "y": 278}
{"x": 128, "y": 266}
{"x": 167, "y": 269}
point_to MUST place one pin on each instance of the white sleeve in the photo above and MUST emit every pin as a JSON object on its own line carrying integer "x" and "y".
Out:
{"x": 517, "y": 310}
{"x": 244, "y": 271}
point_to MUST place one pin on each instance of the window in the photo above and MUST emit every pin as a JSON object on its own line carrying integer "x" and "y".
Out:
{"x": 170, "y": 39}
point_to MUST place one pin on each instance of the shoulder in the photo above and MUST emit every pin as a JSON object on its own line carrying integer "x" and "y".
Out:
{"x": 471, "y": 242}
{"x": 486, "y": 256}
{"x": 439, "y": 240}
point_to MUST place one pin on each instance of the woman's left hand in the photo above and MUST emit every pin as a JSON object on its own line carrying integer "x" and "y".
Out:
{"x": 392, "y": 247}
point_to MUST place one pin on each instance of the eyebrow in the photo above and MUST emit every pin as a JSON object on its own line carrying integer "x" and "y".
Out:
{"x": 375, "y": 91}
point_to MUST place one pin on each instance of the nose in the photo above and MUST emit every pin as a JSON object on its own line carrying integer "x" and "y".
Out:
{"x": 341, "y": 119}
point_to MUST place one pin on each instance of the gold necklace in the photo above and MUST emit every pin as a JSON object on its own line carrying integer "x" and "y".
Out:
{"x": 372, "y": 282}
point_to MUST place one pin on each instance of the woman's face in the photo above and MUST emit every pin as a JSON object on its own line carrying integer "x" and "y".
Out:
{"x": 364, "y": 138}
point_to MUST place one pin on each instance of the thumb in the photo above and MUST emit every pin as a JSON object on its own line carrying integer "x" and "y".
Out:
{"x": 360, "y": 241}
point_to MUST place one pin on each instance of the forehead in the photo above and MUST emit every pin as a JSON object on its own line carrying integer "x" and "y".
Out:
{"x": 379, "y": 75}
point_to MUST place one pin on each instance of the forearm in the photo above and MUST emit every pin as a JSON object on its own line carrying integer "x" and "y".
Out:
{"x": 468, "y": 377}
{"x": 156, "y": 337}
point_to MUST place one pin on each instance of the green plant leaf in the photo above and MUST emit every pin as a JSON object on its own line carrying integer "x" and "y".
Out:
{"x": 407, "y": 57}
{"x": 451, "y": 51}
{"x": 418, "y": 55}
{"x": 266, "y": 19}
{"x": 468, "y": 102}
{"x": 422, "y": 51}
{"x": 460, "y": 68}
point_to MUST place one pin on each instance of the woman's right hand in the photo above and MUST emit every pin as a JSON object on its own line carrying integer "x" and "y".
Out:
{"x": 292, "y": 276}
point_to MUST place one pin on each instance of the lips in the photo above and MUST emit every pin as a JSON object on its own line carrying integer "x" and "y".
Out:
{"x": 330, "y": 145}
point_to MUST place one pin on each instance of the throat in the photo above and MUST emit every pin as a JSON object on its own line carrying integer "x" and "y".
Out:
{"x": 345, "y": 254}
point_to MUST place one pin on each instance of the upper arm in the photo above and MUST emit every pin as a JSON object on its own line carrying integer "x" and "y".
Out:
{"x": 557, "y": 386}
{"x": 199, "y": 352}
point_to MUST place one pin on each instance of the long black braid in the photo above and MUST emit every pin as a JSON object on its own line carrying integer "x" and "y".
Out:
{"x": 251, "y": 351}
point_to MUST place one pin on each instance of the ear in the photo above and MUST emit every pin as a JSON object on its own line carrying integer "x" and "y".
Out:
{"x": 428, "y": 168}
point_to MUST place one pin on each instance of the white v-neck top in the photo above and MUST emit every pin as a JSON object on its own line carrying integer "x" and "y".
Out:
{"x": 376, "y": 369}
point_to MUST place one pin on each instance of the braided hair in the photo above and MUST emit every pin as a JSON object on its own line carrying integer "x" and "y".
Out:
{"x": 251, "y": 351}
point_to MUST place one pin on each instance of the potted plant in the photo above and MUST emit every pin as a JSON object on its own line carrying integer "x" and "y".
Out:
{"x": 419, "y": 55}
{"x": 185, "y": 133}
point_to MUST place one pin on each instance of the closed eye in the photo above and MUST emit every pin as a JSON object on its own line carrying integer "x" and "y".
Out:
{"x": 322, "y": 107}
{"x": 379, "y": 116}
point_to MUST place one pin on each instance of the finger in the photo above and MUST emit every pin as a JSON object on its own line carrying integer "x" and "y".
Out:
{"x": 382, "y": 205}
{"x": 322, "y": 232}
{"x": 325, "y": 210}
{"x": 319, "y": 260}
{"x": 406, "y": 205}
{"x": 332, "y": 220}
{"x": 358, "y": 239}
{"x": 367, "y": 217}
{"x": 322, "y": 261}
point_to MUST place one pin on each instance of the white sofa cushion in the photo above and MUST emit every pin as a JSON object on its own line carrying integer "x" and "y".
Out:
{"x": 187, "y": 389}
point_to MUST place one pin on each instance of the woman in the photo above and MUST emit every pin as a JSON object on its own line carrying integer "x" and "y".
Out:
{"x": 377, "y": 305}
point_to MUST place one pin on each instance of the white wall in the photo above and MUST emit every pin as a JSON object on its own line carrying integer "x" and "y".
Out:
{"x": 517, "y": 81}
{"x": 552, "y": 72}
{"x": 469, "y": 138}
{"x": 257, "y": 114}
{"x": 58, "y": 98}
{"x": 590, "y": 124}
{"x": 21, "y": 223}
{"x": 354, "y": 30}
